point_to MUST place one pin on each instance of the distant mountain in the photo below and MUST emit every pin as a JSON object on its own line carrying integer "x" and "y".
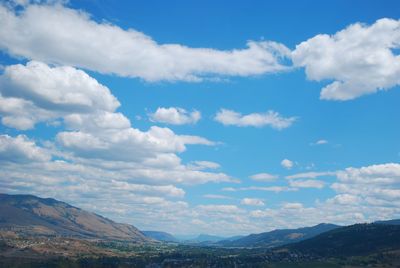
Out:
{"x": 389, "y": 222}
{"x": 204, "y": 240}
{"x": 210, "y": 238}
{"x": 160, "y": 236}
{"x": 278, "y": 237}
{"x": 34, "y": 216}
{"x": 232, "y": 238}
{"x": 354, "y": 240}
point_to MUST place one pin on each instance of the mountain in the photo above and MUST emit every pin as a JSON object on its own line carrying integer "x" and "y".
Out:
{"x": 354, "y": 240}
{"x": 208, "y": 238}
{"x": 34, "y": 216}
{"x": 233, "y": 238}
{"x": 389, "y": 222}
{"x": 160, "y": 236}
{"x": 278, "y": 237}
{"x": 204, "y": 240}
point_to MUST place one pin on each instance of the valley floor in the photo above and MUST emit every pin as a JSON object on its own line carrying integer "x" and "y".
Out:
{"x": 64, "y": 252}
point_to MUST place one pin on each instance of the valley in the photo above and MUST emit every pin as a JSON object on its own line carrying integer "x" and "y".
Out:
{"x": 69, "y": 244}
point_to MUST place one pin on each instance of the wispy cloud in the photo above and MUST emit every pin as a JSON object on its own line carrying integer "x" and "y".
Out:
{"x": 270, "y": 118}
{"x": 265, "y": 177}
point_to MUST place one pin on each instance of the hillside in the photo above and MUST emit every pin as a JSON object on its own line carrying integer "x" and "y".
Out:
{"x": 354, "y": 240}
{"x": 160, "y": 236}
{"x": 33, "y": 216}
{"x": 278, "y": 237}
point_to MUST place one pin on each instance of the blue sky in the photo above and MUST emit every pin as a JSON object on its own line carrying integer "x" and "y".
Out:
{"x": 221, "y": 118}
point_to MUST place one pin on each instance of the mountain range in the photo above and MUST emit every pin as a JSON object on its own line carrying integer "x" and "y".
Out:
{"x": 278, "y": 237}
{"x": 28, "y": 215}
{"x": 353, "y": 240}
{"x": 44, "y": 230}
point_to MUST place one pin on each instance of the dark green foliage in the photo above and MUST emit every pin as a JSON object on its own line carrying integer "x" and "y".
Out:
{"x": 354, "y": 240}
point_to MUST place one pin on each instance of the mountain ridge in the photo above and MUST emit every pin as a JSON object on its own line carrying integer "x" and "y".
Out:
{"x": 278, "y": 237}
{"x": 32, "y": 215}
{"x": 353, "y": 240}
{"x": 160, "y": 236}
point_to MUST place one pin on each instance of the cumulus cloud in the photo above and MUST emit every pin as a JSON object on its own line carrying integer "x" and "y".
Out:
{"x": 266, "y": 177}
{"x": 252, "y": 202}
{"x": 36, "y": 92}
{"x": 344, "y": 199}
{"x": 286, "y": 163}
{"x": 375, "y": 183}
{"x": 127, "y": 144}
{"x": 175, "y": 116}
{"x": 107, "y": 48}
{"x": 21, "y": 149}
{"x": 360, "y": 59}
{"x": 343, "y": 208}
{"x": 270, "y": 118}
{"x": 375, "y": 174}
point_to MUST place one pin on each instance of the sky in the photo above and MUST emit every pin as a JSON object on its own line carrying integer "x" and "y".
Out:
{"x": 213, "y": 117}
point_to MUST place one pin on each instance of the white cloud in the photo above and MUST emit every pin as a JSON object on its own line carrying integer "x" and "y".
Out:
{"x": 168, "y": 190}
{"x": 252, "y": 202}
{"x": 343, "y": 208}
{"x": 266, "y": 177}
{"x": 293, "y": 206}
{"x": 175, "y": 116}
{"x": 35, "y": 92}
{"x": 40, "y": 93}
{"x": 307, "y": 184}
{"x": 360, "y": 59}
{"x": 377, "y": 182}
{"x": 229, "y": 189}
{"x": 310, "y": 175}
{"x": 97, "y": 140}
{"x": 21, "y": 149}
{"x": 189, "y": 139}
{"x": 286, "y": 163}
{"x": 107, "y": 48}
{"x": 270, "y": 118}
{"x": 201, "y": 165}
{"x": 344, "y": 199}
{"x": 127, "y": 144}
{"x": 216, "y": 196}
{"x": 218, "y": 208}
{"x": 276, "y": 189}
{"x": 375, "y": 174}
{"x": 319, "y": 142}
